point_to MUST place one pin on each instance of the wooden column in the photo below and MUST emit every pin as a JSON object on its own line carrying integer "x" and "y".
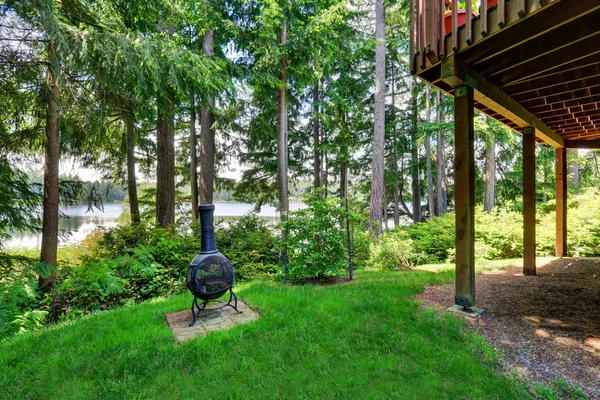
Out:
{"x": 561, "y": 202}
{"x": 529, "y": 201}
{"x": 464, "y": 197}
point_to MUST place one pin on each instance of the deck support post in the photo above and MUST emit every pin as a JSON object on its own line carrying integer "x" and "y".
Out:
{"x": 529, "y": 201}
{"x": 464, "y": 198}
{"x": 561, "y": 202}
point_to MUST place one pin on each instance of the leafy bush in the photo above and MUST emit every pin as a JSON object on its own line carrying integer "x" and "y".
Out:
{"x": 116, "y": 241}
{"x": 498, "y": 235}
{"x": 361, "y": 248}
{"x": 19, "y": 297}
{"x": 316, "y": 242}
{"x": 433, "y": 239}
{"x": 251, "y": 247}
{"x": 394, "y": 251}
{"x": 583, "y": 216}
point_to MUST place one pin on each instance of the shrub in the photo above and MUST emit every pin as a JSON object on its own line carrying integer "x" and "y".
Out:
{"x": 250, "y": 246}
{"x": 583, "y": 217}
{"x": 19, "y": 298}
{"x": 103, "y": 283}
{"x": 316, "y": 242}
{"x": 498, "y": 235}
{"x": 361, "y": 248}
{"x": 394, "y": 251}
{"x": 116, "y": 241}
{"x": 433, "y": 239}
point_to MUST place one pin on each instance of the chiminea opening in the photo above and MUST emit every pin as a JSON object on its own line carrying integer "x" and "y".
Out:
{"x": 210, "y": 274}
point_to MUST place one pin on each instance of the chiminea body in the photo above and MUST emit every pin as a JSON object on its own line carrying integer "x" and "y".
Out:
{"x": 210, "y": 274}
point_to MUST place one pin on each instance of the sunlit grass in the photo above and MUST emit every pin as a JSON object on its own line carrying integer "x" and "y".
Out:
{"x": 363, "y": 339}
{"x": 485, "y": 265}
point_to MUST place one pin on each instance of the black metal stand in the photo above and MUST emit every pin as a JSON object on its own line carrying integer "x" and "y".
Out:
{"x": 202, "y": 306}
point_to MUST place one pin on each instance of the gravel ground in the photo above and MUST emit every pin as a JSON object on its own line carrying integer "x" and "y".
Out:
{"x": 547, "y": 326}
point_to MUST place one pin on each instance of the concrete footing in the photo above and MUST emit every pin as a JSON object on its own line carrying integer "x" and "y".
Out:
{"x": 471, "y": 312}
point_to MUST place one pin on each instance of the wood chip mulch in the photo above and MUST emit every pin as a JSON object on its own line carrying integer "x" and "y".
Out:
{"x": 546, "y": 326}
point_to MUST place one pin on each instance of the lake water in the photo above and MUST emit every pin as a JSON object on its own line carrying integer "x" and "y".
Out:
{"x": 80, "y": 223}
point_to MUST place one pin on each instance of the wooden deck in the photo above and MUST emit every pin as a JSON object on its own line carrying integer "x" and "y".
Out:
{"x": 537, "y": 63}
{"x": 533, "y": 65}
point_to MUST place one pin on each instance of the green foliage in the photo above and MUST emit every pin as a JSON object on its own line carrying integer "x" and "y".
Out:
{"x": 251, "y": 247}
{"x": 394, "y": 251}
{"x": 128, "y": 264}
{"x": 498, "y": 235}
{"x": 361, "y": 248}
{"x": 19, "y": 200}
{"x": 100, "y": 283}
{"x": 558, "y": 389}
{"x": 433, "y": 238}
{"x": 316, "y": 239}
{"x": 583, "y": 216}
{"x": 19, "y": 297}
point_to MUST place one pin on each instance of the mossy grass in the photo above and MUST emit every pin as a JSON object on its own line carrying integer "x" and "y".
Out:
{"x": 363, "y": 339}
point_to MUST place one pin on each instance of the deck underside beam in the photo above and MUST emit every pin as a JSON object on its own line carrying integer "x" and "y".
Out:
{"x": 583, "y": 144}
{"x": 455, "y": 73}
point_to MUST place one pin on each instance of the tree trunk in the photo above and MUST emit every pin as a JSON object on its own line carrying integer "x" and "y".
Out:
{"x": 545, "y": 183}
{"x": 395, "y": 144}
{"x": 430, "y": 195}
{"x": 207, "y": 135}
{"x": 51, "y": 166}
{"x": 385, "y": 212}
{"x": 165, "y": 166}
{"x": 344, "y": 167}
{"x": 490, "y": 173}
{"x": 573, "y": 169}
{"x": 415, "y": 175}
{"x": 316, "y": 133}
{"x": 134, "y": 207}
{"x": 282, "y": 132}
{"x": 377, "y": 183}
{"x": 193, "y": 159}
{"x": 325, "y": 170}
{"x": 442, "y": 194}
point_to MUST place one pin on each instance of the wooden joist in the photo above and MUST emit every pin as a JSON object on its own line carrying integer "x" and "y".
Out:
{"x": 536, "y": 84}
{"x": 583, "y": 144}
{"x": 572, "y": 66}
{"x": 455, "y": 73}
{"x": 540, "y": 20}
{"x": 564, "y": 106}
{"x": 563, "y": 97}
{"x": 587, "y": 27}
{"x": 589, "y": 84}
{"x": 548, "y": 61}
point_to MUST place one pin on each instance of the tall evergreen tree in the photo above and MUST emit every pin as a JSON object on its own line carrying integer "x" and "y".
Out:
{"x": 377, "y": 173}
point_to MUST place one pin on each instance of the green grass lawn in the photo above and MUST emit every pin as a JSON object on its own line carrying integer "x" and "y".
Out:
{"x": 364, "y": 339}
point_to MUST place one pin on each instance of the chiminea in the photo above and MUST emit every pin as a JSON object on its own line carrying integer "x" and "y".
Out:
{"x": 210, "y": 274}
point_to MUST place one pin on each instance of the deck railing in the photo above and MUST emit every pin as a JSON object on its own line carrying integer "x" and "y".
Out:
{"x": 435, "y": 25}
